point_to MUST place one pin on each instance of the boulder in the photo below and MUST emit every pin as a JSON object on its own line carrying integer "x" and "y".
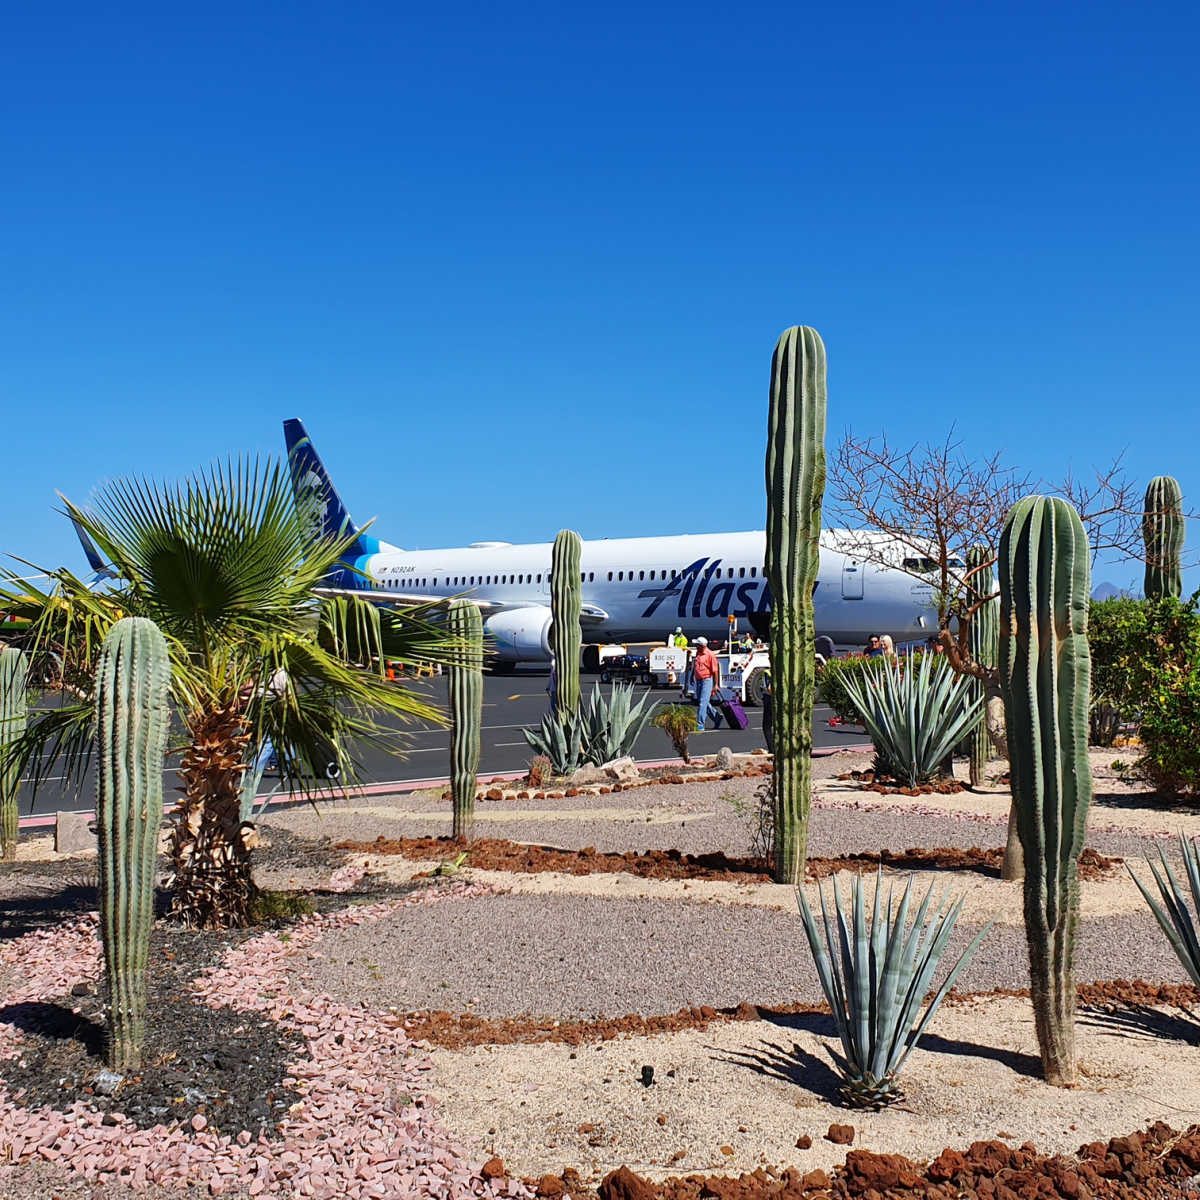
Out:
{"x": 72, "y": 832}
{"x": 725, "y": 758}
{"x": 622, "y": 770}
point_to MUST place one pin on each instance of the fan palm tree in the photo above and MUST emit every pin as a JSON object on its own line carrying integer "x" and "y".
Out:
{"x": 227, "y": 565}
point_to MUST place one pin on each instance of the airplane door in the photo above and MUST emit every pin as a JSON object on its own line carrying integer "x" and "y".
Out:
{"x": 852, "y": 579}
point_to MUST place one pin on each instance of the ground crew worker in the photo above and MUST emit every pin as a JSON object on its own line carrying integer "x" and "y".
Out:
{"x": 678, "y": 639}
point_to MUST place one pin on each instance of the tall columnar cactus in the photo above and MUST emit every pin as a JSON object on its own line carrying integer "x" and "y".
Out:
{"x": 984, "y": 636}
{"x": 1162, "y": 532}
{"x": 565, "y": 604}
{"x": 14, "y": 671}
{"x": 1045, "y": 673}
{"x": 795, "y": 475}
{"x": 465, "y": 686}
{"x": 132, "y": 715}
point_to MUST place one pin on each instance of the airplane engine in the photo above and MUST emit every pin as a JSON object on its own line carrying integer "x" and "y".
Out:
{"x": 520, "y": 634}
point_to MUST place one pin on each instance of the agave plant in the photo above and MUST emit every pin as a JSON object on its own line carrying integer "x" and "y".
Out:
{"x": 605, "y": 728}
{"x": 1173, "y": 915}
{"x": 916, "y": 710}
{"x": 876, "y": 981}
{"x": 560, "y": 740}
{"x": 612, "y": 723}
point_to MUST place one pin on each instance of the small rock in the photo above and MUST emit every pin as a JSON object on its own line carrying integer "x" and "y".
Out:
{"x": 493, "y": 1169}
{"x": 199, "y": 1122}
{"x": 840, "y": 1135}
{"x": 804, "y": 1142}
{"x": 82, "y": 989}
{"x": 550, "y": 1185}
{"x": 727, "y": 1151}
{"x": 194, "y": 1096}
{"x": 107, "y": 1082}
{"x": 623, "y": 1184}
{"x": 647, "y": 1076}
{"x": 725, "y": 758}
{"x": 661, "y": 1118}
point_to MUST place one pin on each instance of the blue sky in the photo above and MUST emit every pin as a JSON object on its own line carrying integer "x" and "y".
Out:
{"x": 521, "y": 267}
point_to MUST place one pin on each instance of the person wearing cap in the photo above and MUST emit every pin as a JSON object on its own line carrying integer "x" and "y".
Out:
{"x": 706, "y": 675}
{"x": 678, "y": 639}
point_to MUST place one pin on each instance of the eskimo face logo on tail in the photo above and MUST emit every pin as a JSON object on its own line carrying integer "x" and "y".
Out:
{"x": 312, "y": 503}
{"x": 696, "y": 592}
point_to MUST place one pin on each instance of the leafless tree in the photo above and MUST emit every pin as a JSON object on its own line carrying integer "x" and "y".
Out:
{"x": 933, "y": 501}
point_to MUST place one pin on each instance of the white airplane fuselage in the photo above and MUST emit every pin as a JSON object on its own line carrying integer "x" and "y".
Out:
{"x": 640, "y": 589}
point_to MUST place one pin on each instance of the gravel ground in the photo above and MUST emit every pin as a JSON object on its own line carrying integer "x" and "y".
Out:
{"x": 583, "y": 956}
{"x": 694, "y": 818}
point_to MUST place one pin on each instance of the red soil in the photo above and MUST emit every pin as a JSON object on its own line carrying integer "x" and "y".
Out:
{"x": 1158, "y": 1164}
{"x": 499, "y": 854}
{"x": 455, "y": 1031}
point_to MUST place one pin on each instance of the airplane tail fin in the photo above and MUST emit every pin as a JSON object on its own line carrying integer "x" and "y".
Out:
{"x": 100, "y": 569}
{"x": 314, "y": 488}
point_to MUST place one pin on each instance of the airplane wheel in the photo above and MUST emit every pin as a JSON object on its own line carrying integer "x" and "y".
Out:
{"x": 606, "y": 677}
{"x": 754, "y": 687}
{"x": 647, "y": 678}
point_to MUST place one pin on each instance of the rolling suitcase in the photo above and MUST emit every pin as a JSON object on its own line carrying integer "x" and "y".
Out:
{"x": 731, "y": 708}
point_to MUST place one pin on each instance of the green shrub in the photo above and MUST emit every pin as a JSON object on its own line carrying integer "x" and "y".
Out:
{"x": 1166, "y": 695}
{"x": 1118, "y": 637}
{"x": 604, "y": 728}
{"x": 832, "y": 679}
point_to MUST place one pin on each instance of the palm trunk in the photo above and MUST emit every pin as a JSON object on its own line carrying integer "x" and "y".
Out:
{"x": 211, "y": 845}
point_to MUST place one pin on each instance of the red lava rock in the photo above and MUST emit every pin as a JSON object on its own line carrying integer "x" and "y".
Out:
{"x": 495, "y": 794}
{"x": 522, "y": 795}
{"x": 864, "y": 1171}
{"x": 804, "y": 1142}
{"x": 493, "y": 1169}
{"x": 572, "y": 793}
{"x": 550, "y": 1185}
{"x": 817, "y": 1181}
{"x": 623, "y": 1184}
{"x": 661, "y": 1118}
{"x": 840, "y": 1135}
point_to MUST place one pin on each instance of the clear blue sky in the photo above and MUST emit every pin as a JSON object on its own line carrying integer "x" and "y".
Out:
{"x": 520, "y": 267}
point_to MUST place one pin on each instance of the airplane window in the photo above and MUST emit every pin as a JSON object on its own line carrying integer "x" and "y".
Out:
{"x": 641, "y": 574}
{"x": 591, "y": 576}
{"x": 539, "y": 578}
{"x": 753, "y": 572}
{"x": 610, "y": 577}
{"x": 955, "y": 562}
{"x": 435, "y": 581}
{"x": 741, "y": 572}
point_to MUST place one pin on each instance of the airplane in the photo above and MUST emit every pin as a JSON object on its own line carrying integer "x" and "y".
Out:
{"x": 634, "y": 589}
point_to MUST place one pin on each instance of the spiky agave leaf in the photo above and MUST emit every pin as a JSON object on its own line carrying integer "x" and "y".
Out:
{"x": 877, "y": 978}
{"x": 915, "y": 712}
{"x": 1172, "y": 914}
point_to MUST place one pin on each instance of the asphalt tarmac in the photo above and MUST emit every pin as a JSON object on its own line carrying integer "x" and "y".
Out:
{"x": 510, "y": 703}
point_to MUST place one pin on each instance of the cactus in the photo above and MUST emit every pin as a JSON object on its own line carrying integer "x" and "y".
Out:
{"x": 1162, "y": 531}
{"x": 1045, "y": 673}
{"x": 465, "y": 688}
{"x": 132, "y": 684}
{"x": 565, "y": 604}
{"x": 14, "y": 671}
{"x": 795, "y": 477}
{"x": 984, "y": 635}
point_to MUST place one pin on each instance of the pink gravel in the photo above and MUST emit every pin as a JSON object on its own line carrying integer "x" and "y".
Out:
{"x": 365, "y": 1128}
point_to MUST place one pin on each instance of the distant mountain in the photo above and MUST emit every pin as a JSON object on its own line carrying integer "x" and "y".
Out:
{"x": 1106, "y": 591}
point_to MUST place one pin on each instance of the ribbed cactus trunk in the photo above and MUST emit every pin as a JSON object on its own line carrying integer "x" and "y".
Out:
{"x": 566, "y": 601}
{"x": 795, "y": 477}
{"x": 1045, "y": 671}
{"x": 14, "y": 673}
{"x": 1162, "y": 532}
{"x": 132, "y": 716}
{"x": 984, "y": 636}
{"x": 465, "y": 688}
